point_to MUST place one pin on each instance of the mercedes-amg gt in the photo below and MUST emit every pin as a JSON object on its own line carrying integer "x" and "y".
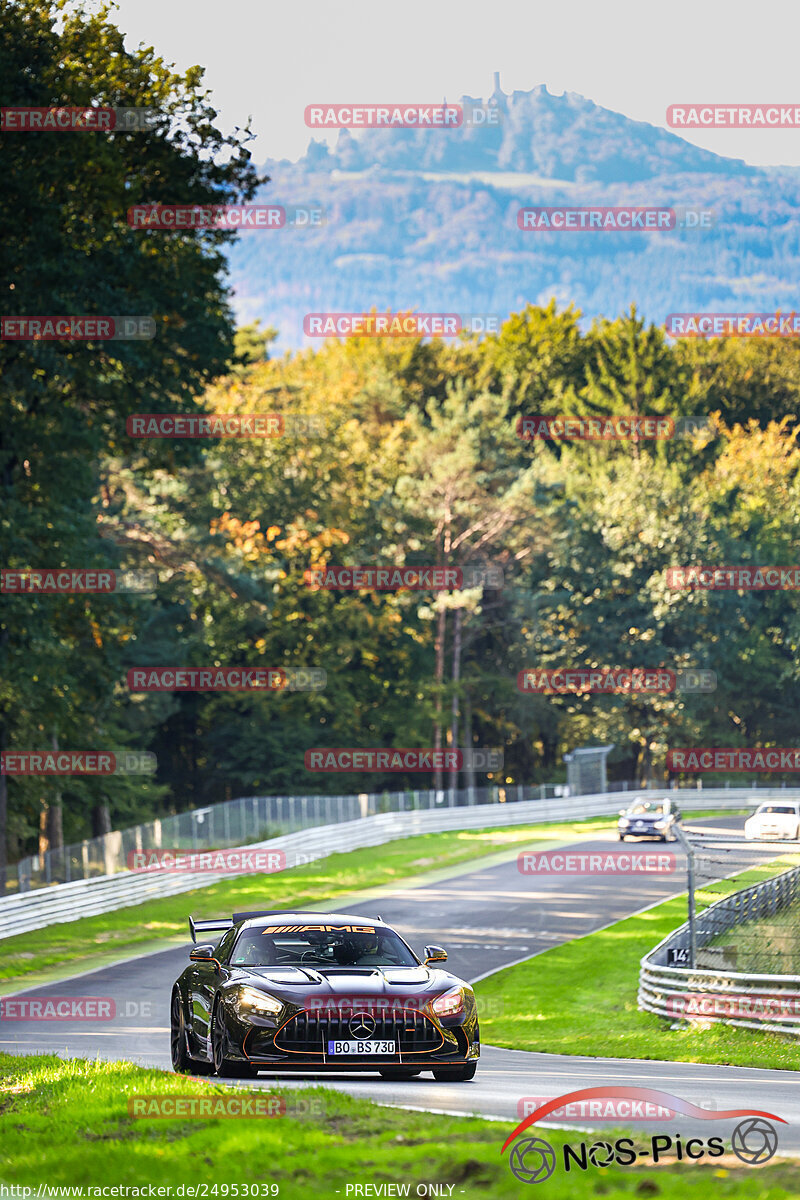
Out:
{"x": 318, "y": 992}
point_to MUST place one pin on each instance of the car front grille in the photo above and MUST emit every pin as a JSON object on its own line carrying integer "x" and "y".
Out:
{"x": 308, "y": 1032}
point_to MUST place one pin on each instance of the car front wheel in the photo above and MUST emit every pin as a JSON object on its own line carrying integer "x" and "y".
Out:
{"x": 177, "y": 1036}
{"x": 226, "y": 1068}
{"x": 182, "y": 1062}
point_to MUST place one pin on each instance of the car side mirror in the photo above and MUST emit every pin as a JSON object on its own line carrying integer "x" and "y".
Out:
{"x": 434, "y": 954}
{"x": 203, "y": 954}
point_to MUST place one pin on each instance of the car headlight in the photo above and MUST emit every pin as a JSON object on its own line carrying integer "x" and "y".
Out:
{"x": 252, "y": 1000}
{"x": 624, "y": 822}
{"x": 661, "y": 825}
{"x": 449, "y": 1004}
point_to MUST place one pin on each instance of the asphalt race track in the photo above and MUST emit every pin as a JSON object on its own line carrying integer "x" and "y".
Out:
{"x": 486, "y": 918}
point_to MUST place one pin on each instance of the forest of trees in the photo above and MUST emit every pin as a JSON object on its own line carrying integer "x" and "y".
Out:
{"x": 420, "y": 463}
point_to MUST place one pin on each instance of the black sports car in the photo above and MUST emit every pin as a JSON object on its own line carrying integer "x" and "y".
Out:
{"x": 317, "y": 992}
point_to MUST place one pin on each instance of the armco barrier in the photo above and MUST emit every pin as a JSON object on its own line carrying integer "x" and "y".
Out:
{"x": 249, "y": 819}
{"x": 246, "y": 820}
{"x": 664, "y": 989}
{"x": 84, "y": 898}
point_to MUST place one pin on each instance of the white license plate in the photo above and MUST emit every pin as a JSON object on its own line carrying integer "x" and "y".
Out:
{"x": 353, "y": 1047}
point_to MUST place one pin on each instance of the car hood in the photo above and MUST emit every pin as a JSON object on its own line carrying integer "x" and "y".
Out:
{"x": 298, "y": 982}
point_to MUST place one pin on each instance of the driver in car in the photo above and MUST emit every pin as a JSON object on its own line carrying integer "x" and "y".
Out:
{"x": 363, "y": 950}
{"x": 255, "y": 950}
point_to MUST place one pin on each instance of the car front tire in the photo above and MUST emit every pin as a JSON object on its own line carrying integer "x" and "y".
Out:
{"x": 455, "y": 1074}
{"x": 177, "y": 1036}
{"x": 226, "y": 1068}
{"x": 182, "y": 1062}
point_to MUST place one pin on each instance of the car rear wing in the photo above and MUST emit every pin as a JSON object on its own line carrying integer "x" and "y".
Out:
{"x": 218, "y": 925}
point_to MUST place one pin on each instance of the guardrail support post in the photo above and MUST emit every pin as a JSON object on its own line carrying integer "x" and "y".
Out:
{"x": 685, "y": 843}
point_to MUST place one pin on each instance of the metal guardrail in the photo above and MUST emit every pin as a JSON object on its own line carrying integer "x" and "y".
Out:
{"x": 237, "y": 822}
{"x": 83, "y": 898}
{"x": 730, "y": 997}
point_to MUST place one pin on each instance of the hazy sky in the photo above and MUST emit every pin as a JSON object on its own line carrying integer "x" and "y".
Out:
{"x": 637, "y": 57}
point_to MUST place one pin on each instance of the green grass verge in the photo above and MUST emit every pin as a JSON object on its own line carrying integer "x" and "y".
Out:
{"x": 770, "y": 946}
{"x": 580, "y": 998}
{"x": 86, "y": 943}
{"x": 67, "y": 1123}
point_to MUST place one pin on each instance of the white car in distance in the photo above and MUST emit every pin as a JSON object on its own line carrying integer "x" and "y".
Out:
{"x": 775, "y": 820}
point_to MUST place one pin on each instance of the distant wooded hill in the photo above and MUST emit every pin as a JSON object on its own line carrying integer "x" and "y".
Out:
{"x": 427, "y": 220}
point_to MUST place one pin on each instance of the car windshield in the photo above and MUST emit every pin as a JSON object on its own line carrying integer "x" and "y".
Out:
{"x": 258, "y": 947}
{"x": 648, "y": 808}
{"x": 778, "y": 808}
